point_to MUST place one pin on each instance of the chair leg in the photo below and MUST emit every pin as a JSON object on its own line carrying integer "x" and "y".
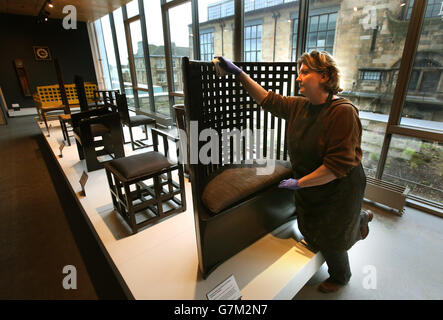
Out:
{"x": 132, "y": 138}
{"x": 81, "y": 154}
{"x": 130, "y": 209}
{"x": 63, "y": 129}
{"x": 157, "y": 191}
{"x": 46, "y": 121}
{"x": 67, "y": 134}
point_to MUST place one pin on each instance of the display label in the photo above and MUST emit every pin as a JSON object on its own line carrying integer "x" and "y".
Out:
{"x": 62, "y": 145}
{"x": 227, "y": 290}
{"x": 83, "y": 180}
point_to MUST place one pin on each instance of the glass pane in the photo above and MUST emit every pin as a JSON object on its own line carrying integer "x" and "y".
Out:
{"x": 139, "y": 64}
{"x": 294, "y": 37}
{"x": 371, "y": 94}
{"x": 110, "y": 53}
{"x": 132, "y": 8}
{"x": 323, "y": 23}
{"x": 143, "y": 100}
{"x": 138, "y": 54}
{"x": 424, "y": 99}
{"x": 162, "y": 103}
{"x": 180, "y": 21}
{"x": 332, "y": 21}
{"x": 102, "y": 51}
{"x": 312, "y": 39}
{"x": 154, "y": 27}
{"x": 372, "y": 141}
{"x": 313, "y": 24}
{"x": 321, "y": 40}
{"x": 416, "y": 164}
{"x": 330, "y": 38}
{"x": 219, "y": 31}
{"x": 123, "y": 53}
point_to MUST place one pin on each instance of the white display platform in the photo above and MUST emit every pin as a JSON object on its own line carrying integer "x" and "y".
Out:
{"x": 161, "y": 262}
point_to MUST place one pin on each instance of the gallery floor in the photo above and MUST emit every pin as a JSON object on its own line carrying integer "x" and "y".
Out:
{"x": 36, "y": 242}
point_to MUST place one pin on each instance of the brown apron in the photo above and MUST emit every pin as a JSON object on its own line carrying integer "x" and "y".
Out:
{"x": 328, "y": 215}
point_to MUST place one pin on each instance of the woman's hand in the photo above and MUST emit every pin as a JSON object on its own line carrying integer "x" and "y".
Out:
{"x": 257, "y": 92}
{"x": 228, "y": 66}
{"x": 289, "y": 184}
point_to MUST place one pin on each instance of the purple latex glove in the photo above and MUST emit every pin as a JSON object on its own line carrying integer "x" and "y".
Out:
{"x": 289, "y": 184}
{"x": 230, "y": 67}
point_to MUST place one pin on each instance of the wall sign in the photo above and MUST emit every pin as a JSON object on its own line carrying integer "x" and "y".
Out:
{"x": 42, "y": 53}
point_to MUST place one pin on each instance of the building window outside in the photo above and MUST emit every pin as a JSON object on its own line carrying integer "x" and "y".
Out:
{"x": 253, "y": 43}
{"x": 425, "y": 76}
{"x": 434, "y": 8}
{"x": 161, "y": 63}
{"x": 161, "y": 77}
{"x": 370, "y": 75}
{"x": 321, "y": 32}
{"x": 206, "y": 45}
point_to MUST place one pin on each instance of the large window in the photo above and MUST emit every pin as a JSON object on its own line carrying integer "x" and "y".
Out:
{"x": 417, "y": 163}
{"x": 367, "y": 40}
{"x": 367, "y": 77}
{"x": 252, "y": 44}
{"x": 207, "y": 44}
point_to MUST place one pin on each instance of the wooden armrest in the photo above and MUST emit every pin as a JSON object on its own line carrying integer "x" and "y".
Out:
{"x": 165, "y": 137}
{"x": 156, "y": 132}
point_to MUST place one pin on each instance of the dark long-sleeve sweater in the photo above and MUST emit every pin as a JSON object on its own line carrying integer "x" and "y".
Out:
{"x": 339, "y": 144}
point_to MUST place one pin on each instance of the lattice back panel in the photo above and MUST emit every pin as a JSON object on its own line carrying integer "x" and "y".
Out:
{"x": 221, "y": 103}
{"x": 50, "y": 95}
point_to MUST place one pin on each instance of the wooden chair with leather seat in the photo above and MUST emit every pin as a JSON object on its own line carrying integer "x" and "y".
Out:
{"x": 102, "y": 97}
{"x": 93, "y": 124}
{"x": 134, "y": 121}
{"x": 144, "y": 185}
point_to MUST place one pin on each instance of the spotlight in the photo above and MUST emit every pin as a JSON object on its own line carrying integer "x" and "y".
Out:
{"x": 43, "y": 15}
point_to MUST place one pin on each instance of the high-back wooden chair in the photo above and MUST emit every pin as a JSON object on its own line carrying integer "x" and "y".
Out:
{"x": 229, "y": 213}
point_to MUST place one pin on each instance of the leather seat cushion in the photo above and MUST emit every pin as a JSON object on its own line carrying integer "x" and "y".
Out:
{"x": 140, "y": 165}
{"x": 140, "y": 119}
{"x": 235, "y": 183}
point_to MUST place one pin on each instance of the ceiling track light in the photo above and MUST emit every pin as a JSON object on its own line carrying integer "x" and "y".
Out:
{"x": 43, "y": 15}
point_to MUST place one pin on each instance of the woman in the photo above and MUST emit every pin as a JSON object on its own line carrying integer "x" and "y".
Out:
{"x": 324, "y": 137}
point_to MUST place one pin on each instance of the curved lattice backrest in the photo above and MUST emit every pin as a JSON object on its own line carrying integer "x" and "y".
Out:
{"x": 222, "y": 104}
